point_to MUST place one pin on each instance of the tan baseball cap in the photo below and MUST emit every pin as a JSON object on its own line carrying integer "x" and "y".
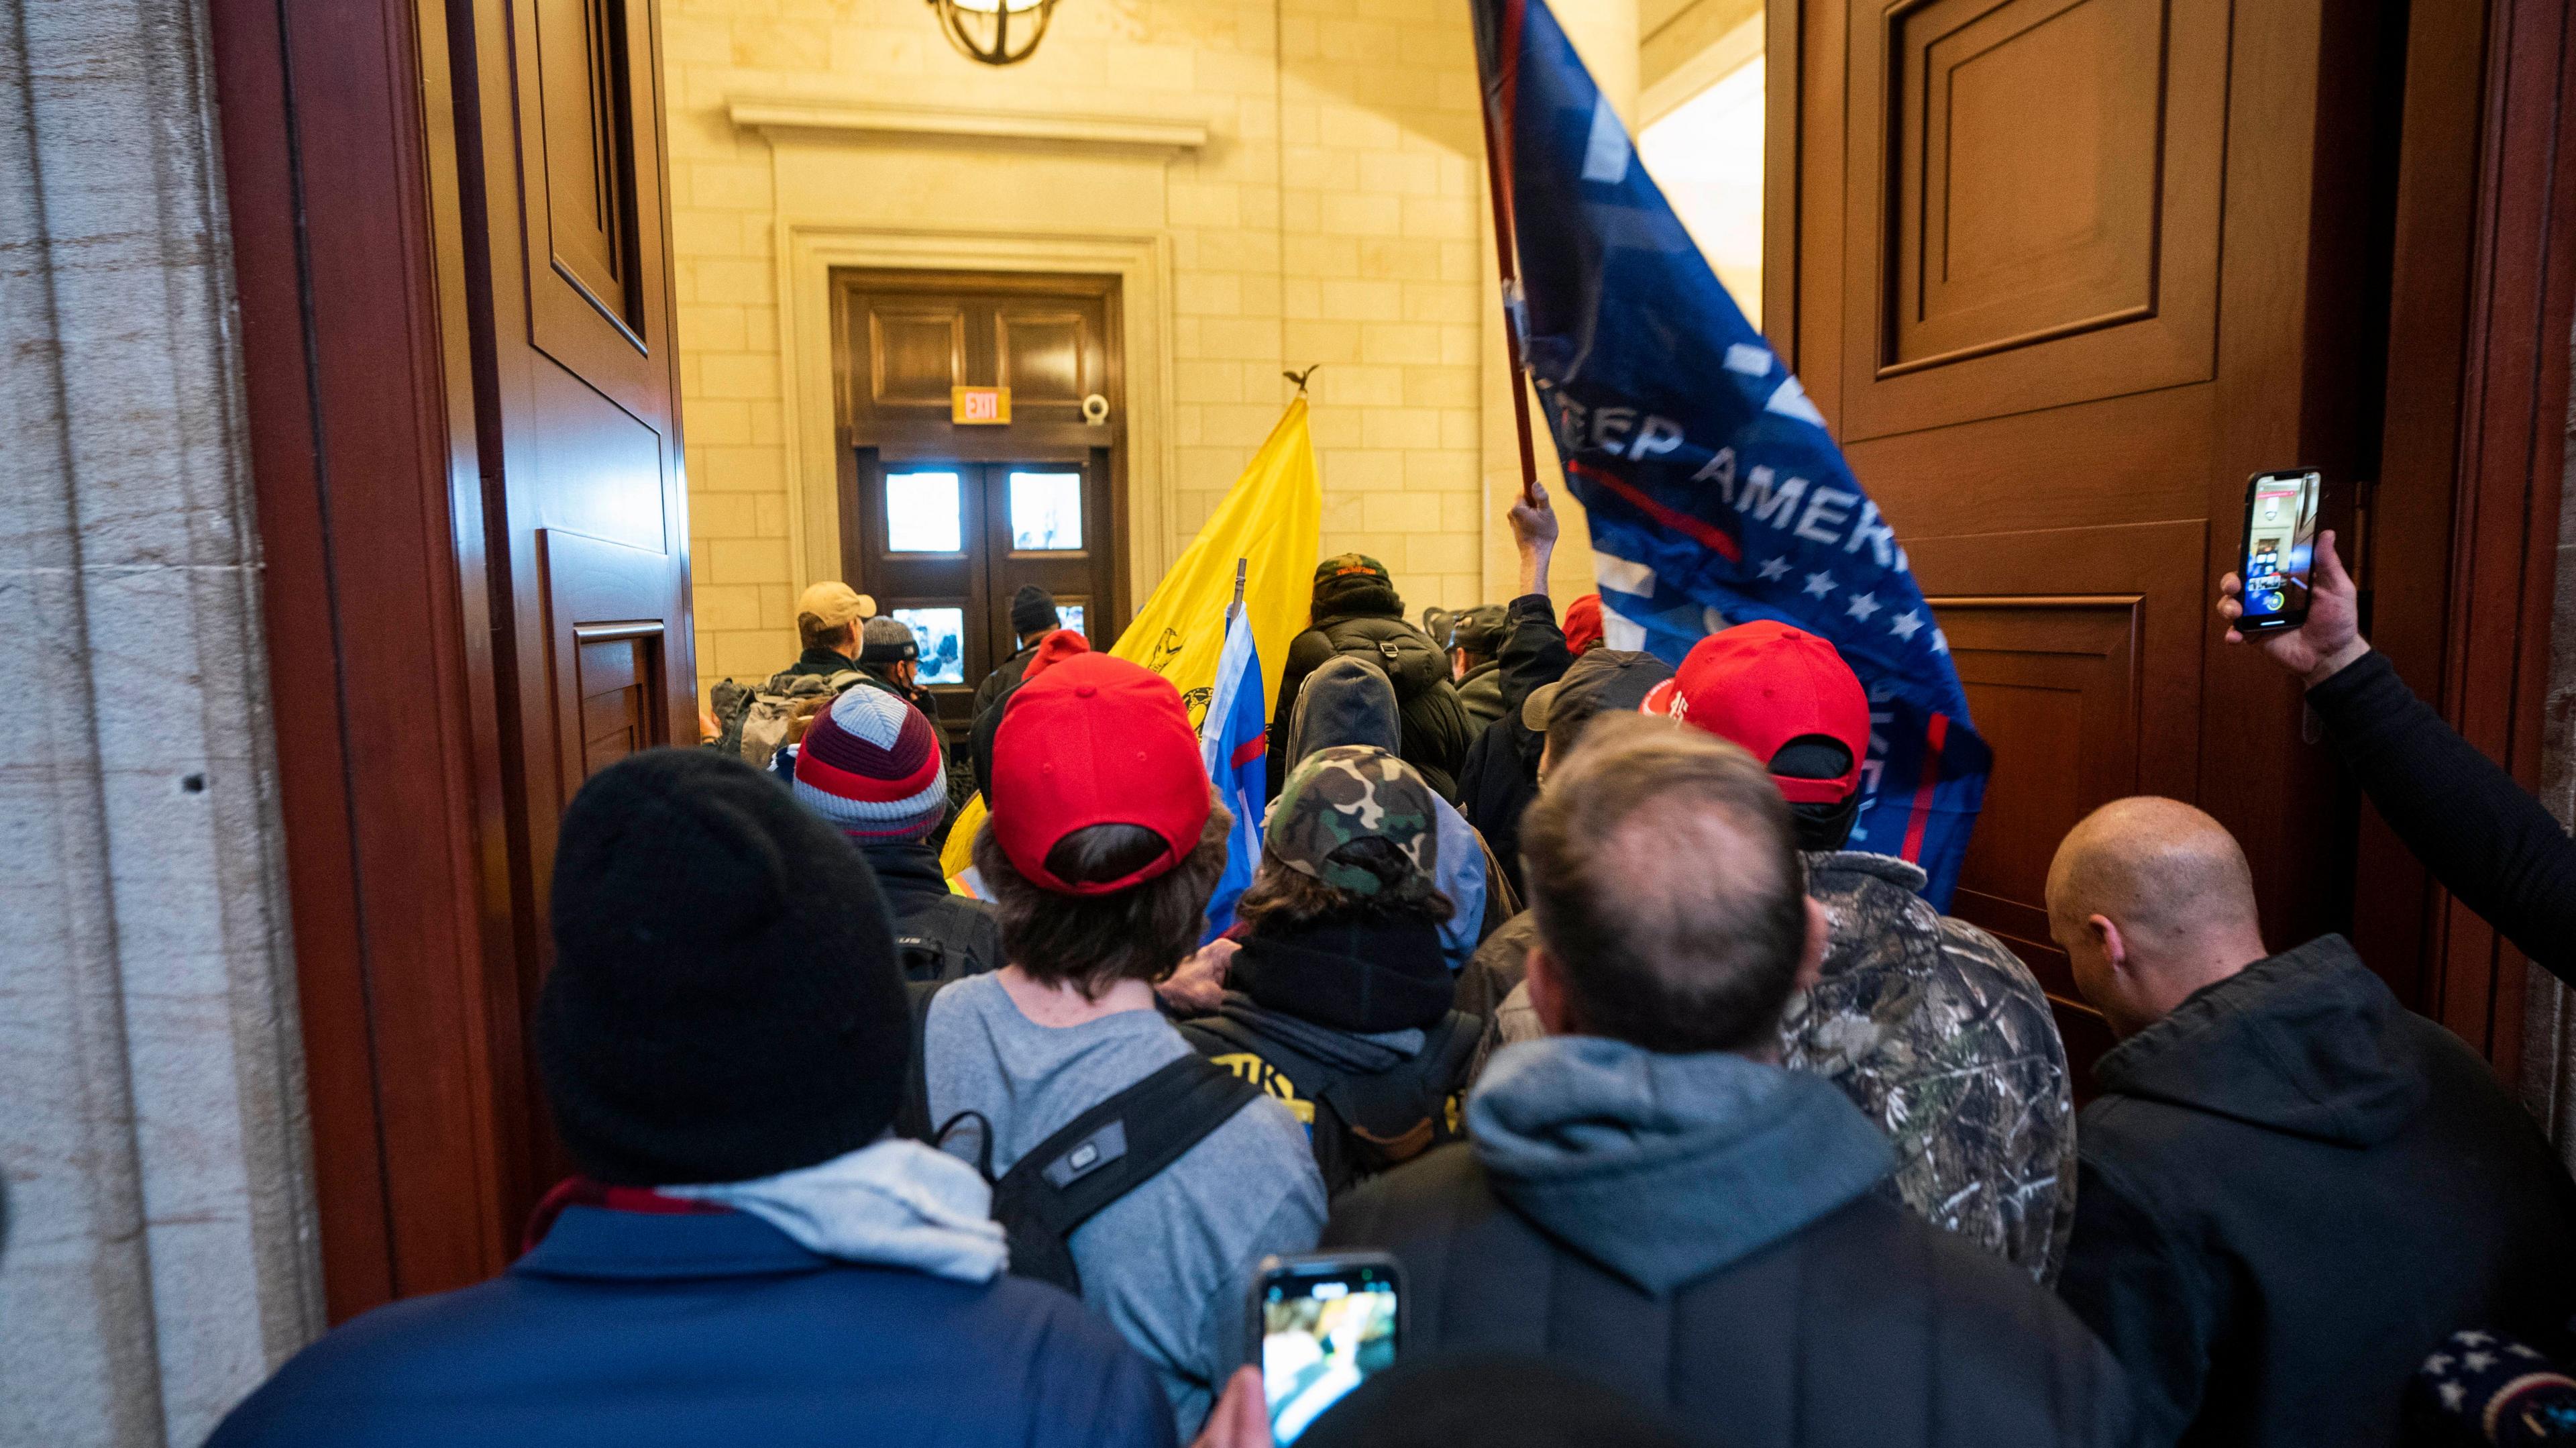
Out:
{"x": 835, "y": 604}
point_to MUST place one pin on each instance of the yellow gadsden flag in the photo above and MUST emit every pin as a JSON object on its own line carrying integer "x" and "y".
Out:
{"x": 1272, "y": 519}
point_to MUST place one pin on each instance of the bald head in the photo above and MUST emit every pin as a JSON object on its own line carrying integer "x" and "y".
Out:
{"x": 2151, "y": 899}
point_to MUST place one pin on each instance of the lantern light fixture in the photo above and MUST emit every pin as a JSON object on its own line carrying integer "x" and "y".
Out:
{"x": 995, "y": 32}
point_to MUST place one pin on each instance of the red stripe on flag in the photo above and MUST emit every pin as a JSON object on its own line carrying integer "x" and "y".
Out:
{"x": 1250, "y": 750}
{"x": 1673, "y": 518}
{"x": 1933, "y": 736}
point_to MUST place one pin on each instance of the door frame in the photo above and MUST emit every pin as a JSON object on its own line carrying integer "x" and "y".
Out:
{"x": 809, "y": 252}
{"x": 2461, "y": 535}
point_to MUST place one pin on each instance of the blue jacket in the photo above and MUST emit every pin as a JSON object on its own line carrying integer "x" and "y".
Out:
{"x": 631, "y": 1329}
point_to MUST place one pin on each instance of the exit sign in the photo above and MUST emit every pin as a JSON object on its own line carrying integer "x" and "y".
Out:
{"x": 979, "y": 406}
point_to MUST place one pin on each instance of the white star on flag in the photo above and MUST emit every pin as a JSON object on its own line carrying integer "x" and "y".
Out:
{"x": 2477, "y": 1362}
{"x": 1776, "y": 569}
{"x": 1819, "y": 584}
{"x": 1905, "y": 625}
{"x": 2453, "y": 1395}
{"x": 1940, "y": 642}
{"x": 1865, "y": 604}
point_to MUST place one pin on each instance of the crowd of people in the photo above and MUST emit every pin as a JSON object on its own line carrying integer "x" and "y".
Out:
{"x": 1557, "y": 981}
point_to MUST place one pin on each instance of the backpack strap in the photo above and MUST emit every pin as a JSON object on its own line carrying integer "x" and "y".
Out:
{"x": 1119, "y": 1145}
{"x": 912, "y": 1118}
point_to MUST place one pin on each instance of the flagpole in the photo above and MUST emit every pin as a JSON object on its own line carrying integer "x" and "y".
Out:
{"x": 1236, "y": 607}
{"x": 1506, "y": 247}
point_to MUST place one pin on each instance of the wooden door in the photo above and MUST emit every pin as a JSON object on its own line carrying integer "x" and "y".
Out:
{"x": 943, "y": 545}
{"x": 942, "y": 522}
{"x": 2061, "y": 274}
{"x": 586, "y": 506}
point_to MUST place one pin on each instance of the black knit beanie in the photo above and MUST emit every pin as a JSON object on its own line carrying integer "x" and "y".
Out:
{"x": 1032, "y": 610}
{"x": 726, "y": 1002}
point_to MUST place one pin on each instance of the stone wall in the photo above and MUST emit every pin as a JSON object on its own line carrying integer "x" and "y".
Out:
{"x": 1333, "y": 216}
{"x": 2549, "y": 1009}
{"x": 158, "y": 1256}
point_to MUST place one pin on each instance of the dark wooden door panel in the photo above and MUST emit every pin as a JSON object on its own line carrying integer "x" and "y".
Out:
{"x": 600, "y": 469}
{"x": 916, "y": 353}
{"x": 2039, "y": 183}
{"x": 590, "y": 151}
{"x": 1049, "y": 355}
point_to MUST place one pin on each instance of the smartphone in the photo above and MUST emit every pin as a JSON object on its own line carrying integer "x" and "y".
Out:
{"x": 1322, "y": 1323}
{"x": 2280, "y": 547}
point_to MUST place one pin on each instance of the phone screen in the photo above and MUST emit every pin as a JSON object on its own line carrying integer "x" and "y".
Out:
{"x": 2280, "y": 543}
{"x": 1322, "y": 1333}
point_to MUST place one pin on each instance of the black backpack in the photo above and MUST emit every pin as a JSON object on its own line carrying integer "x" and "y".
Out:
{"x": 1359, "y": 1125}
{"x": 1096, "y": 1158}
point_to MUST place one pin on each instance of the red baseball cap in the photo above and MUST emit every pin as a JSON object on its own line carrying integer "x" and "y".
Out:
{"x": 1583, "y": 623}
{"x": 1763, "y": 684}
{"x": 1096, "y": 740}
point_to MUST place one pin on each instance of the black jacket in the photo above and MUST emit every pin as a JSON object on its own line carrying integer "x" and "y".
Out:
{"x": 2291, "y": 1190}
{"x": 1349, "y": 1025}
{"x": 820, "y": 661}
{"x": 1004, "y": 675}
{"x": 2482, "y": 835}
{"x": 1433, "y": 724}
{"x": 1713, "y": 1236}
{"x": 1500, "y": 777}
{"x": 941, "y": 936}
{"x": 1480, "y": 693}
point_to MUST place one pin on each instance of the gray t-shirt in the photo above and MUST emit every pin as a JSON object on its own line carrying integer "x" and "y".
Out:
{"x": 1170, "y": 1263}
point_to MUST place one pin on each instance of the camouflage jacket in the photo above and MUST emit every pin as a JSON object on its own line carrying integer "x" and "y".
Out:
{"x": 1942, "y": 1036}
{"x": 1938, "y": 1033}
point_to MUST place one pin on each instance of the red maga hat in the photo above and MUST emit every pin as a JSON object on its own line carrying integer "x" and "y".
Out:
{"x": 1096, "y": 740}
{"x": 1762, "y": 685}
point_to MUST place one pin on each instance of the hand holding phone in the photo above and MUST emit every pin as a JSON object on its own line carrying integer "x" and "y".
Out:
{"x": 2327, "y": 638}
{"x": 1323, "y": 1323}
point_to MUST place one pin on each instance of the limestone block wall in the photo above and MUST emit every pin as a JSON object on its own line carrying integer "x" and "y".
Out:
{"x": 1333, "y": 216}
{"x": 158, "y": 1256}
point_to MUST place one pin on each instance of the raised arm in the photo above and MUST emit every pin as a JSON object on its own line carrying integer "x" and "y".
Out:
{"x": 2480, "y": 833}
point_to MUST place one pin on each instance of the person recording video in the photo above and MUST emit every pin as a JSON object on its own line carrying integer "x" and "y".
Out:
{"x": 2480, "y": 833}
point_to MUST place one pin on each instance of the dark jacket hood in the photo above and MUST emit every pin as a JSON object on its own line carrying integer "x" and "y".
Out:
{"x": 2307, "y": 1042}
{"x": 1666, "y": 1168}
{"x": 1377, "y": 976}
{"x": 1355, "y": 595}
{"x": 905, "y": 867}
{"x": 1345, "y": 701}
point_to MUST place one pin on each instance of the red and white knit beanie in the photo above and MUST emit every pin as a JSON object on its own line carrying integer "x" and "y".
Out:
{"x": 871, "y": 765}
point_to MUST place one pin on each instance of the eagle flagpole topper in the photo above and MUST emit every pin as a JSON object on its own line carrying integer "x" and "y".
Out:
{"x": 1715, "y": 494}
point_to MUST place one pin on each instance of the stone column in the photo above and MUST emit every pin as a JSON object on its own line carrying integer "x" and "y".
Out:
{"x": 159, "y": 1255}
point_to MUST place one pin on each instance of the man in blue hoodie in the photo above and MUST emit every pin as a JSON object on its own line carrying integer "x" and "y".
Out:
{"x": 1648, "y": 1194}
{"x": 2291, "y": 1188}
{"x": 748, "y": 1256}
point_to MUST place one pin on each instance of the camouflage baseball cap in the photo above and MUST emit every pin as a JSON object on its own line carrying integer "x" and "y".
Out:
{"x": 1354, "y": 792}
{"x": 1341, "y": 563}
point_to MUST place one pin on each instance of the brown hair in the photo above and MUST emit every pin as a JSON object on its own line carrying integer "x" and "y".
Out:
{"x": 1282, "y": 898}
{"x": 812, "y": 632}
{"x": 1092, "y": 942}
{"x": 1663, "y": 866}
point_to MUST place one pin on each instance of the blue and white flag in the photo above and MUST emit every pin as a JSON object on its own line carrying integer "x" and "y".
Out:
{"x": 1236, "y": 748}
{"x": 1716, "y": 495}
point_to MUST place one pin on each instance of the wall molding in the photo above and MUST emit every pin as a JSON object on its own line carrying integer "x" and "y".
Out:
{"x": 820, "y": 119}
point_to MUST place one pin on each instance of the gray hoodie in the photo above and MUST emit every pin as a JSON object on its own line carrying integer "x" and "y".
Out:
{"x": 1349, "y": 701}
{"x": 1665, "y": 1168}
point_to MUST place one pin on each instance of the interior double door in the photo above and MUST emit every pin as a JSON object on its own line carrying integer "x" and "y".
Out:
{"x": 945, "y": 544}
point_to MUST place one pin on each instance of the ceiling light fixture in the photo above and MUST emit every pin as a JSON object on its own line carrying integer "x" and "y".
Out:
{"x": 996, "y": 32}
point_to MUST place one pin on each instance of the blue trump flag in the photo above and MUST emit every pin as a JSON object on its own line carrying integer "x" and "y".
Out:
{"x": 1236, "y": 748}
{"x": 1716, "y": 495}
